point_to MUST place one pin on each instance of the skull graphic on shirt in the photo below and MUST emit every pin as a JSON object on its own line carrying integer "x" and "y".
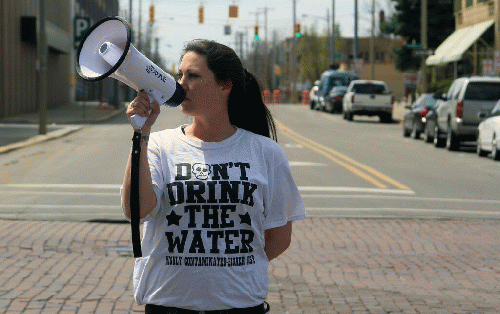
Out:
{"x": 201, "y": 171}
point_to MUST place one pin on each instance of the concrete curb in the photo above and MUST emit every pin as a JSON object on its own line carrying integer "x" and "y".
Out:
{"x": 57, "y": 133}
{"x": 40, "y": 138}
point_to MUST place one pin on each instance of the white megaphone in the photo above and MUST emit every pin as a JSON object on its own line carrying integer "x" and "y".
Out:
{"x": 106, "y": 51}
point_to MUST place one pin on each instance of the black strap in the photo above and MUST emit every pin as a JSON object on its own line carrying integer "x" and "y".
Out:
{"x": 134, "y": 195}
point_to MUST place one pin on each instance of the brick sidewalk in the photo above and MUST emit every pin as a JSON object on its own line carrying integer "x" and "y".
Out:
{"x": 333, "y": 266}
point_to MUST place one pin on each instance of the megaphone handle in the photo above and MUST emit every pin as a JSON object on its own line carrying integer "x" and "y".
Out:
{"x": 138, "y": 121}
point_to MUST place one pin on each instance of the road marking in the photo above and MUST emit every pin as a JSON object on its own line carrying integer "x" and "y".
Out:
{"x": 403, "y": 213}
{"x": 62, "y": 186}
{"x": 306, "y": 164}
{"x": 348, "y": 163}
{"x": 72, "y": 193}
{"x": 403, "y": 198}
{"x": 350, "y": 189}
{"x": 57, "y": 208}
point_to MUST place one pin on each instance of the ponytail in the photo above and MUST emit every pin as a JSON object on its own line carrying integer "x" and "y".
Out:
{"x": 245, "y": 105}
{"x": 248, "y": 111}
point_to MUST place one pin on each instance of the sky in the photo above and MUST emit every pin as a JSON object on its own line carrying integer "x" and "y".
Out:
{"x": 176, "y": 22}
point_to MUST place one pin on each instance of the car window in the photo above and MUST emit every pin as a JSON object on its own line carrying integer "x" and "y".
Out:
{"x": 369, "y": 88}
{"x": 339, "y": 79}
{"x": 489, "y": 91}
{"x": 429, "y": 102}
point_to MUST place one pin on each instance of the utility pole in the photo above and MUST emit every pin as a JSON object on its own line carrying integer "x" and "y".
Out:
{"x": 139, "y": 34}
{"x": 293, "y": 81}
{"x": 355, "y": 41}
{"x": 130, "y": 9}
{"x": 266, "y": 57}
{"x": 257, "y": 45}
{"x": 423, "y": 39}
{"x": 41, "y": 78}
{"x": 372, "y": 43}
{"x": 329, "y": 36}
{"x": 332, "y": 40}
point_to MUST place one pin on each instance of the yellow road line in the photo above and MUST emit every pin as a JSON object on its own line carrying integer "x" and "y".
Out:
{"x": 328, "y": 152}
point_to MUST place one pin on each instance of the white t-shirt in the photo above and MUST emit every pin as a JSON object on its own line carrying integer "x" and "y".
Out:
{"x": 203, "y": 245}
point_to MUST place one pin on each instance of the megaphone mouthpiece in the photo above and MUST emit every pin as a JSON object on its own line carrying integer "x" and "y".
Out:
{"x": 106, "y": 51}
{"x": 111, "y": 53}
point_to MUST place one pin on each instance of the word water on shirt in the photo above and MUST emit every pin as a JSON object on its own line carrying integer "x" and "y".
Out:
{"x": 215, "y": 198}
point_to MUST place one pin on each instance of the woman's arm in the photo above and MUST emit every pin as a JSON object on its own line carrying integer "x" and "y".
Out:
{"x": 277, "y": 240}
{"x": 147, "y": 197}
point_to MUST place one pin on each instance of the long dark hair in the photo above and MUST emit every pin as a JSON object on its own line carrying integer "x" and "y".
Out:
{"x": 245, "y": 105}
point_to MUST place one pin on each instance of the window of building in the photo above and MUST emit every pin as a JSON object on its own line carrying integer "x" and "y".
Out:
{"x": 469, "y": 3}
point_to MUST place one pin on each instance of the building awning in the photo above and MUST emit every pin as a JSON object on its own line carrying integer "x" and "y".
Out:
{"x": 456, "y": 44}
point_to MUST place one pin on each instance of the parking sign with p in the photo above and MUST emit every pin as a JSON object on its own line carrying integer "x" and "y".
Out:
{"x": 81, "y": 26}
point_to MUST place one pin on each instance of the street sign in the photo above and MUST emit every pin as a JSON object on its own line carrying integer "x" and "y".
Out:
{"x": 81, "y": 26}
{"x": 414, "y": 45}
{"x": 423, "y": 52}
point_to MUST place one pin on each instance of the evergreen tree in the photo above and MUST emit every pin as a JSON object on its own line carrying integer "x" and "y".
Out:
{"x": 405, "y": 22}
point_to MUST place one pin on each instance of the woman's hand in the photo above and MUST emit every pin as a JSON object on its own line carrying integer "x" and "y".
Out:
{"x": 141, "y": 106}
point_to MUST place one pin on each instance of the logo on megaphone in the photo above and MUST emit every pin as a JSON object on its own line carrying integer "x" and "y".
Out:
{"x": 106, "y": 50}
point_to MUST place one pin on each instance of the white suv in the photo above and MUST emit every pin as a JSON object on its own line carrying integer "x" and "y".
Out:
{"x": 459, "y": 115}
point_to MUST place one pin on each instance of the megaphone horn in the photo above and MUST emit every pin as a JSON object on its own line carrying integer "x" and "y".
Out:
{"x": 106, "y": 50}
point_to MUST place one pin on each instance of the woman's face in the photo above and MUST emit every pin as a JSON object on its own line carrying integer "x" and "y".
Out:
{"x": 204, "y": 96}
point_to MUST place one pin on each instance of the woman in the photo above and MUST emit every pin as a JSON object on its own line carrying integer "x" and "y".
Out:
{"x": 217, "y": 195}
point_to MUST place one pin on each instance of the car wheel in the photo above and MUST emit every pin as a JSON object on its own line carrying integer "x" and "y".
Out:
{"x": 438, "y": 141}
{"x": 406, "y": 132}
{"x": 495, "y": 154}
{"x": 452, "y": 141}
{"x": 480, "y": 151}
{"x": 349, "y": 116}
{"x": 385, "y": 118}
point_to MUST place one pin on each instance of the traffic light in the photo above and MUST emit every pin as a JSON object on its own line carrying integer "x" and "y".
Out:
{"x": 233, "y": 11}
{"x": 297, "y": 29}
{"x": 151, "y": 13}
{"x": 201, "y": 14}
{"x": 256, "y": 32}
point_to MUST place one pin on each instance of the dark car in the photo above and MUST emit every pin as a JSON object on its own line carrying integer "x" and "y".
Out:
{"x": 431, "y": 122}
{"x": 333, "y": 101}
{"x": 415, "y": 117}
{"x": 329, "y": 80}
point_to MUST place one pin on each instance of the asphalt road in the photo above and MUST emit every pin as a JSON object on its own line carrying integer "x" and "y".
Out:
{"x": 343, "y": 169}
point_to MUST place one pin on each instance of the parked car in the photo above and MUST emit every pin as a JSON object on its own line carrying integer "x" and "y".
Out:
{"x": 488, "y": 134}
{"x": 414, "y": 119}
{"x": 430, "y": 121}
{"x": 333, "y": 101}
{"x": 313, "y": 95}
{"x": 458, "y": 116}
{"x": 329, "y": 80}
{"x": 368, "y": 98}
